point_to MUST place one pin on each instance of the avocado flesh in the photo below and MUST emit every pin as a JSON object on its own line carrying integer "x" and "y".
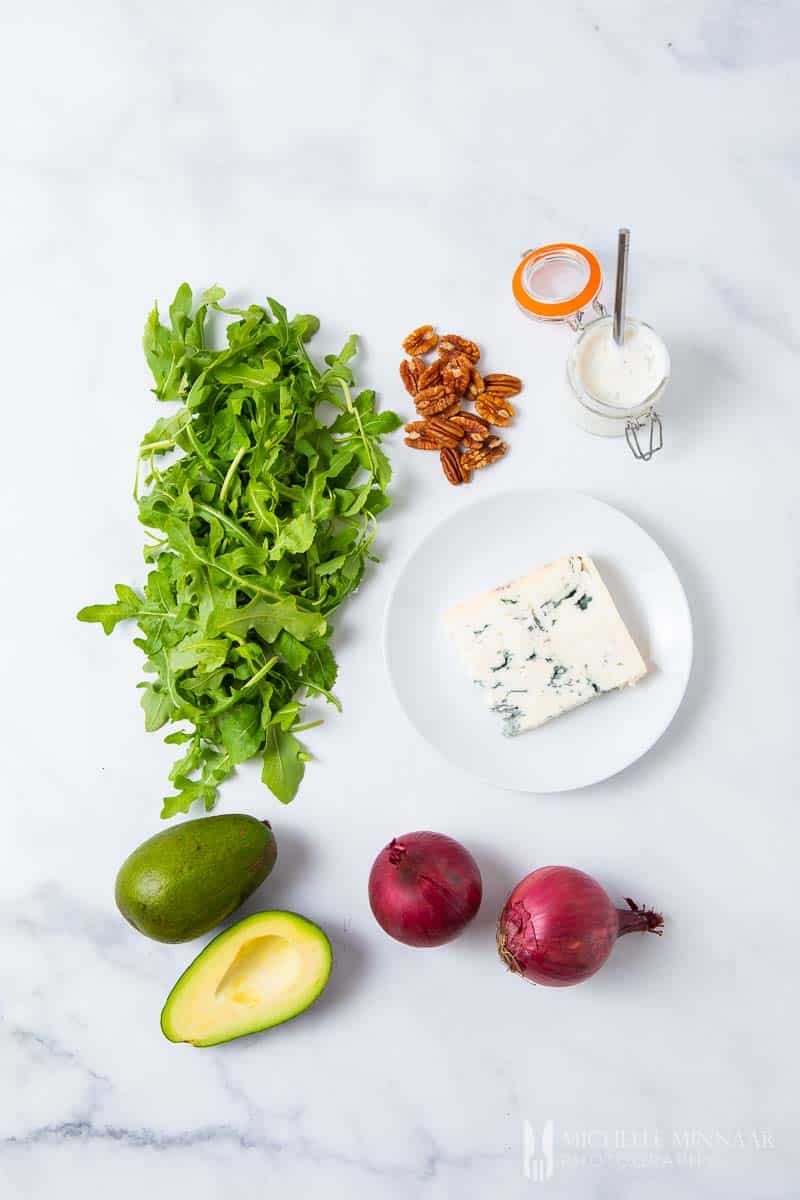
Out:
{"x": 188, "y": 879}
{"x": 262, "y": 971}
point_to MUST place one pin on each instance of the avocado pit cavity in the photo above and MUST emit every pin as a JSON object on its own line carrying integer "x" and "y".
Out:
{"x": 263, "y": 967}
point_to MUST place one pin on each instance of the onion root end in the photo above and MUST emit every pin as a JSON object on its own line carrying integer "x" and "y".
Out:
{"x": 637, "y": 919}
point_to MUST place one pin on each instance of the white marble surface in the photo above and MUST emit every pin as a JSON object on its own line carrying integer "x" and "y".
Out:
{"x": 382, "y": 166}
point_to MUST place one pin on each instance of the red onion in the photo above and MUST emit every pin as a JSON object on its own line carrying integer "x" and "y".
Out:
{"x": 424, "y": 888}
{"x": 558, "y": 926}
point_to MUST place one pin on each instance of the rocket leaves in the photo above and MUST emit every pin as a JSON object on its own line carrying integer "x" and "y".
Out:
{"x": 260, "y": 514}
{"x": 267, "y": 618}
{"x": 284, "y": 763}
{"x": 128, "y": 605}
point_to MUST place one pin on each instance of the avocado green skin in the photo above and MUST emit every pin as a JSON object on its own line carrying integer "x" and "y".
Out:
{"x": 186, "y": 880}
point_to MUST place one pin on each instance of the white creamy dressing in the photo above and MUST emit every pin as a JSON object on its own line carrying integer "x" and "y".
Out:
{"x": 621, "y": 376}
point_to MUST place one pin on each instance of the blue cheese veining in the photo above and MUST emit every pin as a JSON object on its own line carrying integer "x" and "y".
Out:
{"x": 545, "y": 643}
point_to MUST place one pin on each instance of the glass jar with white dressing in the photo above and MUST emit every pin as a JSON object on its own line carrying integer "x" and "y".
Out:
{"x": 613, "y": 388}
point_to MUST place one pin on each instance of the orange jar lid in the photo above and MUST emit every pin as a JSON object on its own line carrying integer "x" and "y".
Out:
{"x": 555, "y": 282}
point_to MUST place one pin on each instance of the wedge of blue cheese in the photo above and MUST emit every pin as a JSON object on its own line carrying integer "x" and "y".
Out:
{"x": 545, "y": 643}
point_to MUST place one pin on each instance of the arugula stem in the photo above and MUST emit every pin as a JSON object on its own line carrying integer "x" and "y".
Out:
{"x": 208, "y": 510}
{"x": 260, "y": 673}
{"x": 231, "y": 473}
{"x": 260, "y": 512}
{"x": 199, "y": 451}
{"x": 154, "y": 471}
{"x": 237, "y": 696}
{"x": 352, "y": 408}
{"x": 243, "y": 583}
{"x": 308, "y": 725}
{"x": 309, "y": 363}
{"x": 315, "y": 687}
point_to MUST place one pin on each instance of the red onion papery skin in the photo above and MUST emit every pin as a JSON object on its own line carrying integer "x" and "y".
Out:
{"x": 424, "y": 888}
{"x": 558, "y": 926}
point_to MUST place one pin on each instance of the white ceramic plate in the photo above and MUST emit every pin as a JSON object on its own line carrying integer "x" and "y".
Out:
{"x": 490, "y": 542}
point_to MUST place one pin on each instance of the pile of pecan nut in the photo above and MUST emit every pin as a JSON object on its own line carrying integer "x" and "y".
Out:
{"x": 440, "y": 388}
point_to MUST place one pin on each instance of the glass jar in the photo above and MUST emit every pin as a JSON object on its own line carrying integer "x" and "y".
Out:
{"x": 614, "y": 389}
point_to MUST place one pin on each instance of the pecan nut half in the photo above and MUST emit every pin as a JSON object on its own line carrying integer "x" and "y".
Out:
{"x": 438, "y": 431}
{"x": 432, "y": 400}
{"x": 430, "y": 374}
{"x": 474, "y": 428}
{"x": 476, "y": 384}
{"x": 453, "y": 343}
{"x": 456, "y": 374}
{"x": 420, "y": 340}
{"x": 452, "y": 466}
{"x": 444, "y": 428}
{"x": 418, "y": 441}
{"x": 483, "y": 456}
{"x": 502, "y": 385}
{"x": 411, "y": 371}
{"x": 495, "y": 411}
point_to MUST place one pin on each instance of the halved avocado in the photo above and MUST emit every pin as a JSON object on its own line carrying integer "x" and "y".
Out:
{"x": 264, "y": 970}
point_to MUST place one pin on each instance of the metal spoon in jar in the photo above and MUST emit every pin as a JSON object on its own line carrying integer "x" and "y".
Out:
{"x": 621, "y": 291}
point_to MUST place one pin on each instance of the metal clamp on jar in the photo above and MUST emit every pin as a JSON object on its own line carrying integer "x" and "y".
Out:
{"x": 618, "y": 368}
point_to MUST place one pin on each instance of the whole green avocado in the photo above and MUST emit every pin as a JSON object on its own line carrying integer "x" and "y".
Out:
{"x": 186, "y": 880}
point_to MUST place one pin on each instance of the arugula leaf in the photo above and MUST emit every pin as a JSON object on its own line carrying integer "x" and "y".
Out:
{"x": 320, "y": 665}
{"x": 295, "y": 537}
{"x": 258, "y": 529}
{"x": 333, "y": 564}
{"x": 240, "y": 731}
{"x": 291, "y": 649}
{"x": 284, "y": 763}
{"x": 253, "y": 376}
{"x": 267, "y": 619}
{"x": 128, "y": 605}
{"x": 157, "y": 707}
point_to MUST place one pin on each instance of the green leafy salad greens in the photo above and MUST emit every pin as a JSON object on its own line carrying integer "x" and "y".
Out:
{"x": 260, "y": 525}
